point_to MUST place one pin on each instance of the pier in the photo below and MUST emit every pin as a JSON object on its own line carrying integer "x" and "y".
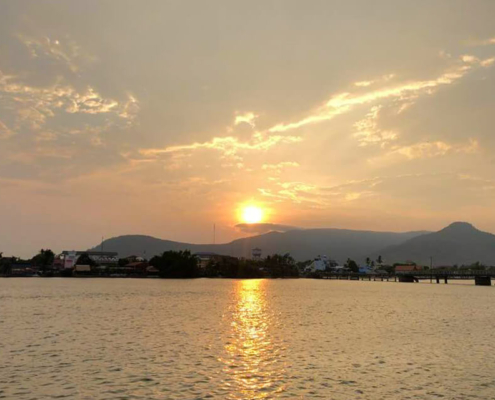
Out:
{"x": 481, "y": 278}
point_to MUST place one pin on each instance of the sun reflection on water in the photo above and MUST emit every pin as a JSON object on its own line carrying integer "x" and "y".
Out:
{"x": 253, "y": 359}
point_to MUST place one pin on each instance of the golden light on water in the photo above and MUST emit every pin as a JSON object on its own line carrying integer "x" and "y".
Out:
{"x": 253, "y": 356}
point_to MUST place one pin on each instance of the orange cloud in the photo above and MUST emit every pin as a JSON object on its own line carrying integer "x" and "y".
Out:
{"x": 36, "y": 104}
{"x": 228, "y": 145}
{"x": 344, "y": 102}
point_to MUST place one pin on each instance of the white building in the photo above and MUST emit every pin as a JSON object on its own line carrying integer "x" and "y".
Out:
{"x": 256, "y": 253}
{"x": 321, "y": 263}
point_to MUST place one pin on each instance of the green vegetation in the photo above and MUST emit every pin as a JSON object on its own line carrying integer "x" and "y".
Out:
{"x": 352, "y": 265}
{"x": 44, "y": 261}
{"x": 184, "y": 264}
{"x": 176, "y": 264}
{"x": 44, "y": 258}
{"x": 230, "y": 267}
{"x": 278, "y": 266}
{"x": 275, "y": 266}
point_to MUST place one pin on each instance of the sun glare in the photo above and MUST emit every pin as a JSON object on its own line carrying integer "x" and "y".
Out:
{"x": 252, "y": 214}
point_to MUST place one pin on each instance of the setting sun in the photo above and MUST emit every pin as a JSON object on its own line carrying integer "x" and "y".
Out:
{"x": 252, "y": 214}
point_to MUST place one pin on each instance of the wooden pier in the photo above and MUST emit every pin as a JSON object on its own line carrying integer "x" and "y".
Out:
{"x": 481, "y": 278}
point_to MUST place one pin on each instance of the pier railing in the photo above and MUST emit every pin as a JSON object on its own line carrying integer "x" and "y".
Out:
{"x": 480, "y": 277}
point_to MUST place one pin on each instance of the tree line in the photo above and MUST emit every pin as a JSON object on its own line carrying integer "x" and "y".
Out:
{"x": 43, "y": 261}
{"x": 183, "y": 264}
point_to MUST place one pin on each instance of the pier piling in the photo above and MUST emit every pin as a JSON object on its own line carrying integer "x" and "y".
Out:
{"x": 482, "y": 281}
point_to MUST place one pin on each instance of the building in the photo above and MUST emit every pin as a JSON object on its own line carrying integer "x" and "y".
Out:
{"x": 22, "y": 269}
{"x": 133, "y": 259}
{"x": 322, "y": 263}
{"x": 204, "y": 258}
{"x": 67, "y": 259}
{"x": 408, "y": 268}
{"x": 70, "y": 258}
{"x": 137, "y": 268}
{"x": 256, "y": 253}
{"x": 152, "y": 271}
{"x": 82, "y": 270}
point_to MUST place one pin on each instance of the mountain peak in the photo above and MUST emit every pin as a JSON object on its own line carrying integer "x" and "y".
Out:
{"x": 459, "y": 227}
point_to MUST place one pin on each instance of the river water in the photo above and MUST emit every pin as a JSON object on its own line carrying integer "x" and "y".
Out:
{"x": 245, "y": 339}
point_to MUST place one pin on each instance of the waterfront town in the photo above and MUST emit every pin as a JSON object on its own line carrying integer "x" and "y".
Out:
{"x": 184, "y": 264}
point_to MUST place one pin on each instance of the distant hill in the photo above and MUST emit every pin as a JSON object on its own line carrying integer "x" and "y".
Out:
{"x": 459, "y": 243}
{"x": 338, "y": 244}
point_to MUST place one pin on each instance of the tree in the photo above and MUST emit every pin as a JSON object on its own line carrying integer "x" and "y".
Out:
{"x": 44, "y": 259}
{"x": 352, "y": 265}
{"x": 368, "y": 261}
{"x": 379, "y": 260}
{"x": 477, "y": 266}
{"x": 279, "y": 266}
{"x": 5, "y": 265}
{"x": 302, "y": 265}
{"x": 176, "y": 264}
{"x": 123, "y": 262}
{"x": 224, "y": 266}
{"x": 249, "y": 269}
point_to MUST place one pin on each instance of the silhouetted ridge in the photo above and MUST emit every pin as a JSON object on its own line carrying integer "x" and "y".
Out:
{"x": 459, "y": 243}
{"x": 338, "y": 244}
{"x": 464, "y": 227}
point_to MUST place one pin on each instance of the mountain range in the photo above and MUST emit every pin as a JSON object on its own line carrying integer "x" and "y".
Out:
{"x": 459, "y": 243}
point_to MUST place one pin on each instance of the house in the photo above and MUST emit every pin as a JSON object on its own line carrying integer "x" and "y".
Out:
{"x": 152, "y": 271}
{"x": 321, "y": 263}
{"x": 407, "y": 268}
{"x": 23, "y": 269}
{"x": 82, "y": 270}
{"x": 366, "y": 270}
{"x": 134, "y": 259}
{"x": 138, "y": 267}
{"x": 70, "y": 258}
{"x": 204, "y": 258}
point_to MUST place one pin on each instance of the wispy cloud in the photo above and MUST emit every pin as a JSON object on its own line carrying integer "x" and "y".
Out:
{"x": 363, "y": 83}
{"x": 424, "y": 150}
{"x": 367, "y": 83}
{"x": 229, "y": 146}
{"x": 5, "y": 132}
{"x": 278, "y": 168}
{"x": 296, "y": 192}
{"x": 65, "y": 51}
{"x": 481, "y": 42}
{"x": 435, "y": 149}
{"x": 344, "y": 102}
{"x": 368, "y": 131}
{"x": 35, "y": 105}
{"x": 247, "y": 118}
{"x": 265, "y": 228}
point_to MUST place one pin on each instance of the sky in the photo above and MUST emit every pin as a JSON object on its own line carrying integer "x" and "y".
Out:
{"x": 166, "y": 117}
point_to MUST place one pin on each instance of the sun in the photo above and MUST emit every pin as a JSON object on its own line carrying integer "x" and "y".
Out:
{"x": 252, "y": 214}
